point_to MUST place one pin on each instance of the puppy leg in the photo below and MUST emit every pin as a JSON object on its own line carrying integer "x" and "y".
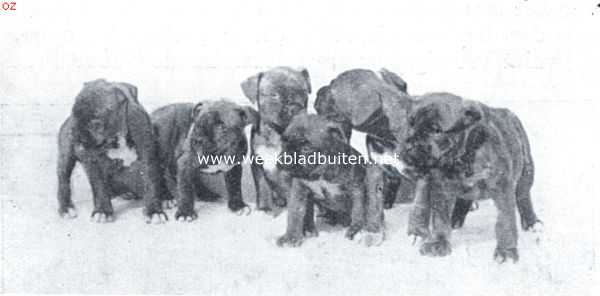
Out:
{"x": 438, "y": 244}
{"x": 309, "y": 228}
{"x": 185, "y": 189}
{"x": 233, "y": 181}
{"x": 506, "y": 227}
{"x": 390, "y": 190}
{"x": 66, "y": 163}
{"x": 295, "y": 217}
{"x": 375, "y": 205}
{"x": 264, "y": 194}
{"x": 418, "y": 221}
{"x": 459, "y": 214}
{"x": 529, "y": 220}
{"x": 103, "y": 210}
{"x": 357, "y": 196}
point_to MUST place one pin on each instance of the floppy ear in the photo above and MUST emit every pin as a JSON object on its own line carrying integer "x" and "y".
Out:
{"x": 470, "y": 116}
{"x": 128, "y": 90}
{"x": 393, "y": 79}
{"x": 322, "y": 101}
{"x": 249, "y": 115}
{"x": 196, "y": 110}
{"x": 250, "y": 87}
{"x": 336, "y": 133}
{"x": 306, "y": 76}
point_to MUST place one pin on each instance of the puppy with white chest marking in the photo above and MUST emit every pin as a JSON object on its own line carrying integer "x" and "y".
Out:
{"x": 110, "y": 133}
{"x": 206, "y": 138}
{"x": 341, "y": 187}
{"x": 280, "y": 94}
{"x": 348, "y": 92}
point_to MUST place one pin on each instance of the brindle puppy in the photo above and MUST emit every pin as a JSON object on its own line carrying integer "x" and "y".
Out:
{"x": 110, "y": 133}
{"x": 207, "y": 138}
{"x": 356, "y": 82}
{"x": 280, "y": 94}
{"x": 459, "y": 148}
{"x": 340, "y": 187}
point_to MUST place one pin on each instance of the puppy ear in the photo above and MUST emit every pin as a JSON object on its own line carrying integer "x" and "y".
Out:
{"x": 250, "y": 87}
{"x": 393, "y": 79}
{"x": 196, "y": 110}
{"x": 249, "y": 115}
{"x": 322, "y": 101}
{"x": 470, "y": 116}
{"x": 306, "y": 76}
{"x": 128, "y": 90}
{"x": 336, "y": 133}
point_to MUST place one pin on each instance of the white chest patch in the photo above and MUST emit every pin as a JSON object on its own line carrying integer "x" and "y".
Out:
{"x": 217, "y": 168}
{"x": 268, "y": 156}
{"x": 123, "y": 152}
{"x": 320, "y": 187}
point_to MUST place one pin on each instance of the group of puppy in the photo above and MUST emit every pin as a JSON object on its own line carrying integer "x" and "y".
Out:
{"x": 439, "y": 150}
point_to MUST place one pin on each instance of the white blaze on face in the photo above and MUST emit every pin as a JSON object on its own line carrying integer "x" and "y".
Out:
{"x": 123, "y": 152}
{"x": 268, "y": 156}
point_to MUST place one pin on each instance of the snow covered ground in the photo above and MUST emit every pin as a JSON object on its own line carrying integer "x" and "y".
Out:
{"x": 538, "y": 59}
{"x": 221, "y": 253}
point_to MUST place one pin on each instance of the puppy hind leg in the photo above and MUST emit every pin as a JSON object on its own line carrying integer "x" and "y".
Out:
{"x": 66, "y": 163}
{"x": 529, "y": 220}
{"x": 460, "y": 211}
{"x": 506, "y": 228}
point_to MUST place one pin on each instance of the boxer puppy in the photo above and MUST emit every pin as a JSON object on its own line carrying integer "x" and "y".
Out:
{"x": 206, "y": 138}
{"x": 111, "y": 135}
{"x": 351, "y": 85}
{"x": 280, "y": 94}
{"x": 340, "y": 186}
{"x": 461, "y": 148}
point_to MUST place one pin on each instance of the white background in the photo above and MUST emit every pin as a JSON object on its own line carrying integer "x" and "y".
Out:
{"x": 538, "y": 58}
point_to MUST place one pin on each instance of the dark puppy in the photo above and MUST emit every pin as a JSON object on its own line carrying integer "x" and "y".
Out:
{"x": 207, "y": 138}
{"x": 460, "y": 148}
{"x": 351, "y": 87}
{"x": 280, "y": 94}
{"x": 110, "y": 133}
{"x": 339, "y": 186}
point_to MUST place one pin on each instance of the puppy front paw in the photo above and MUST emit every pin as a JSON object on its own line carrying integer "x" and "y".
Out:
{"x": 437, "y": 248}
{"x": 68, "y": 213}
{"x": 503, "y": 254}
{"x": 102, "y": 216}
{"x": 185, "y": 214}
{"x": 353, "y": 230}
{"x": 239, "y": 207}
{"x": 369, "y": 239}
{"x": 287, "y": 240}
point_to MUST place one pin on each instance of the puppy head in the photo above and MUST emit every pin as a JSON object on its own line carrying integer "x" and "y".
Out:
{"x": 218, "y": 130}
{"x": 99, "y": 111}
{"x": 280, "y": 94}
{"x": 433, "y": 126}
{"x": 306, "y": 135}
